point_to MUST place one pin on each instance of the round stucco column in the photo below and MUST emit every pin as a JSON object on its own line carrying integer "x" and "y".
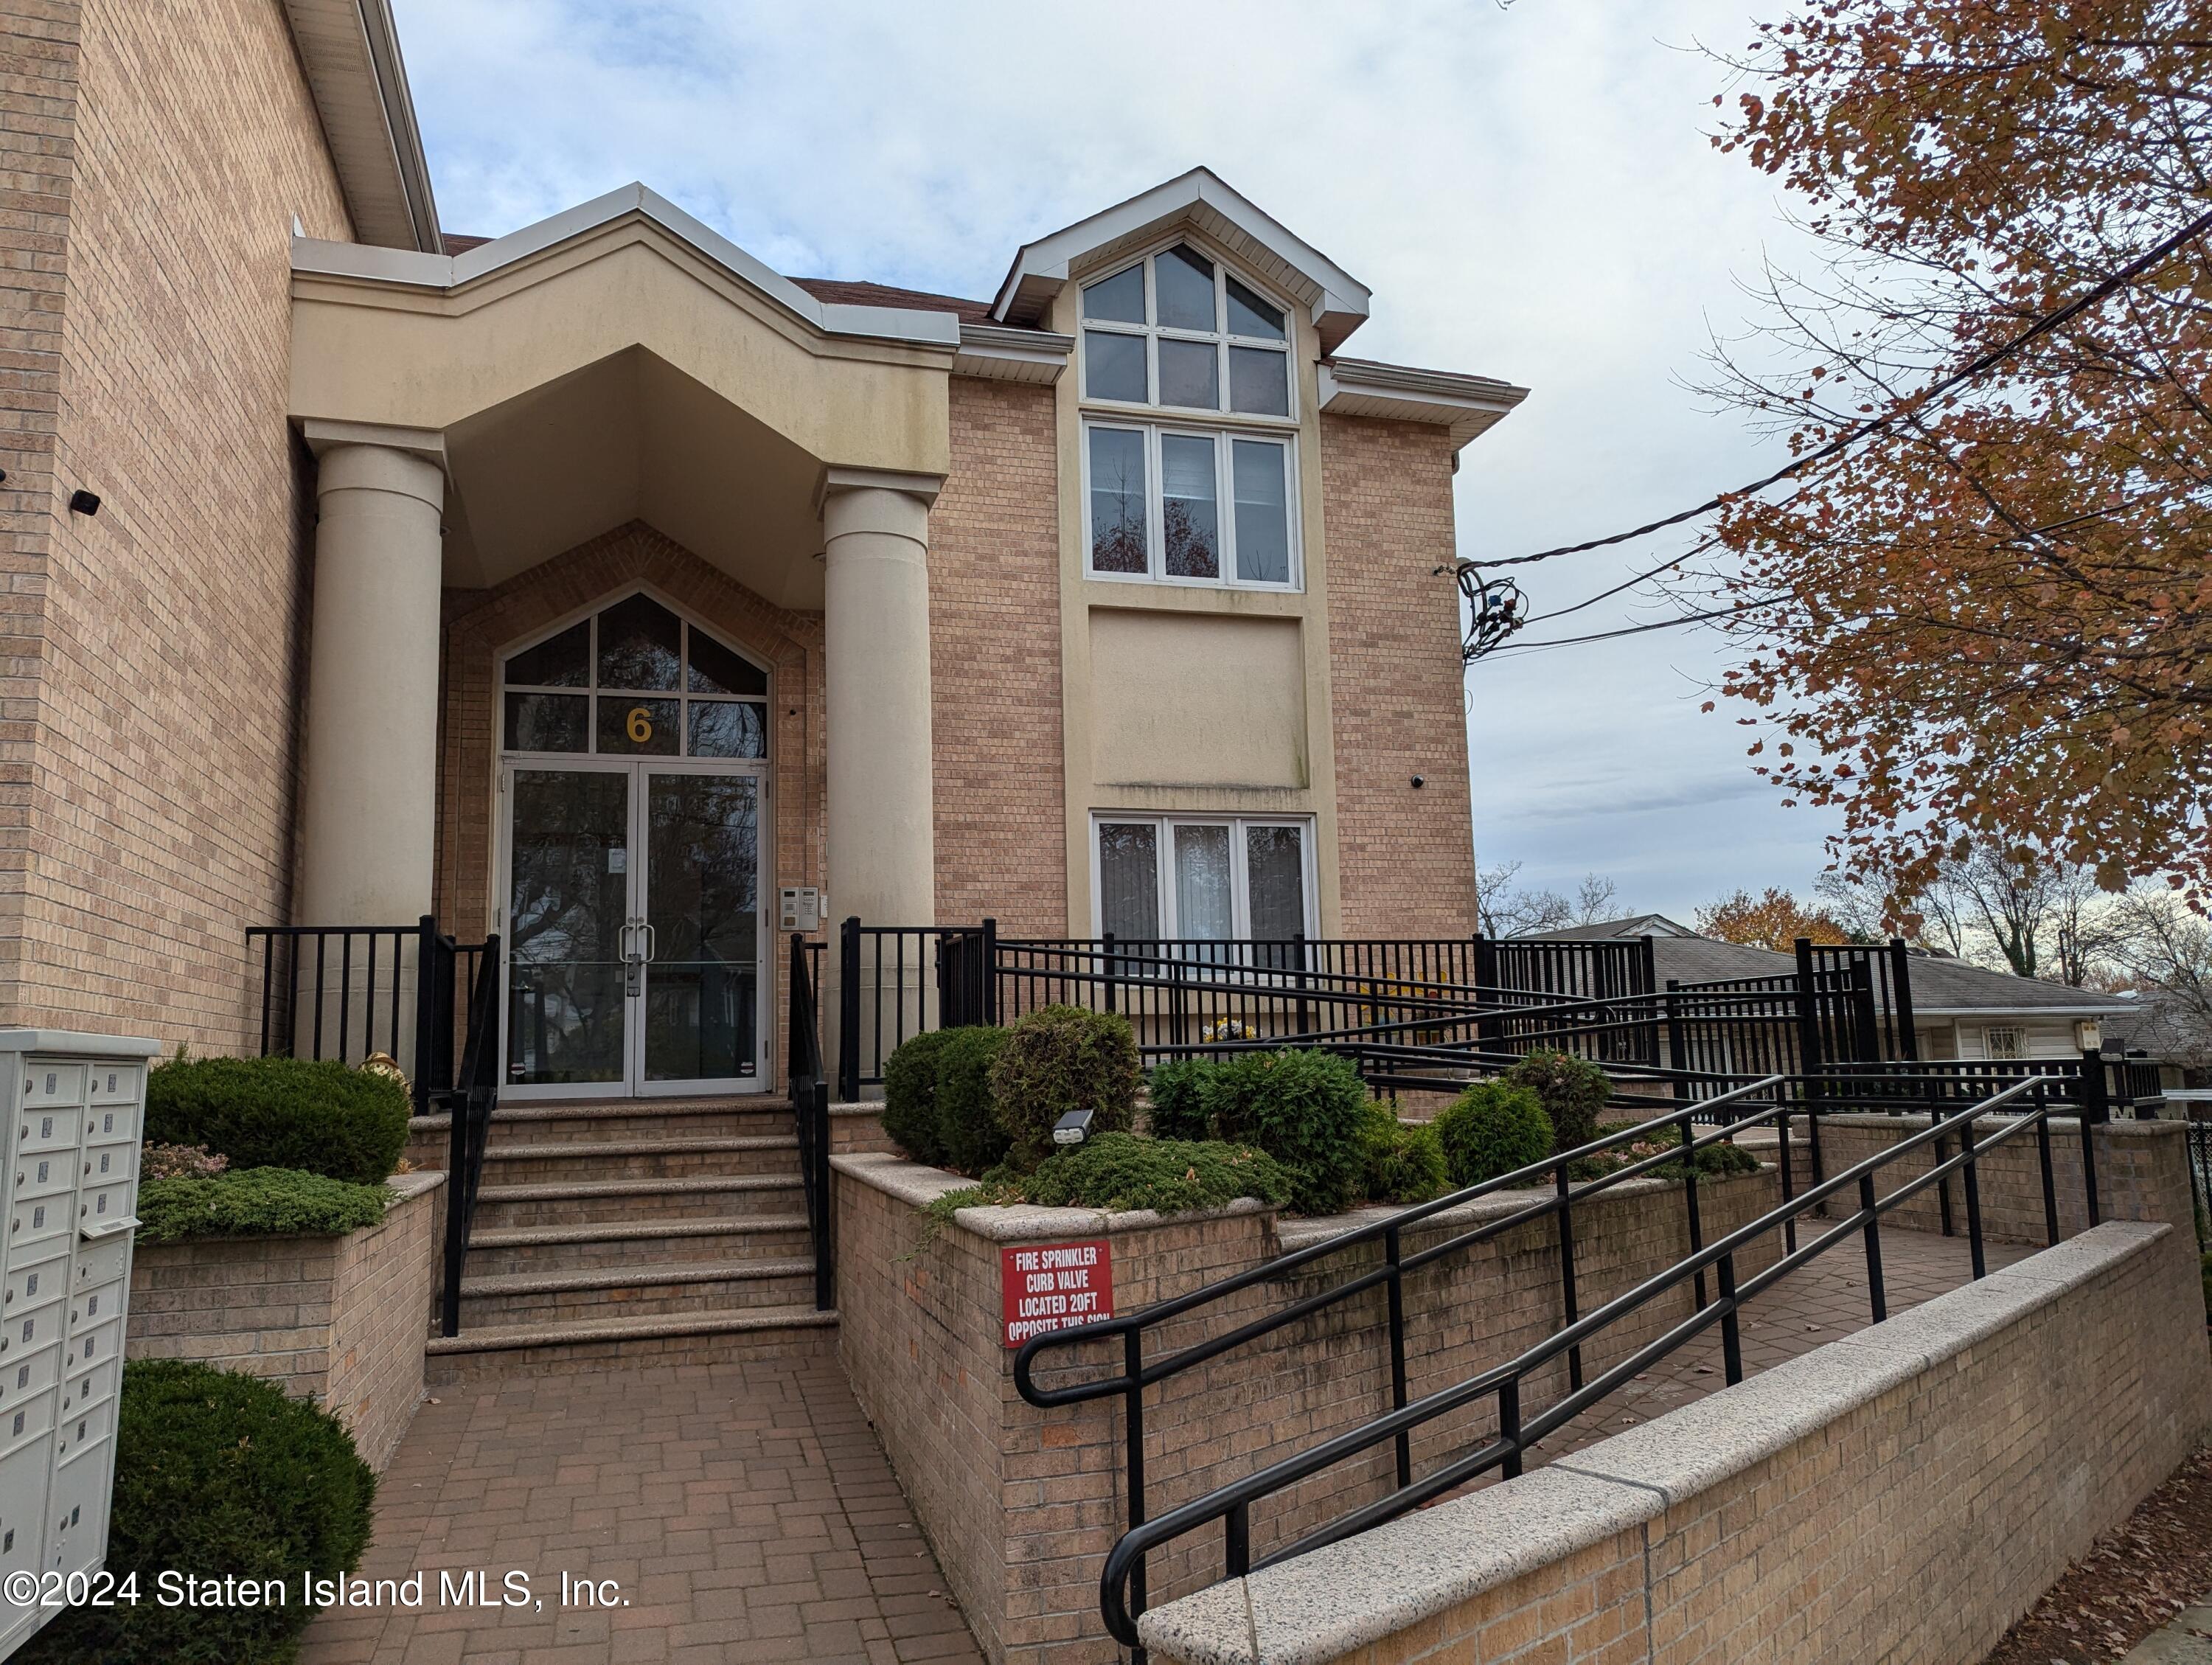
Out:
{"x": 369, "y": 814}
{"x": 882, "y": 841}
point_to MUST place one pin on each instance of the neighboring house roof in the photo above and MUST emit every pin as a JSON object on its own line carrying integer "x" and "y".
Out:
{"x": 350, "y": 49}
{"x": 2162, "y": 1025}
{"x": 1941, "y": 987}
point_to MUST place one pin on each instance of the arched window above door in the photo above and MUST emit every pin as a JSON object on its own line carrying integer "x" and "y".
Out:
{"x": 635, "y": 680}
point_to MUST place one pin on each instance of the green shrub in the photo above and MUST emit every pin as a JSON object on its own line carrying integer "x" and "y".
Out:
{"x": 1404, "y": 1164}
{"x": 256, "y": 1202}
{"x": 1305, "y": 1109}
{"x": 968, "y": 1127}
{"x": 322, "y": 1118}
{"x": 910, "y": 1076}
{"x": 217, "y": 1472}
{"x": 1182, "y": 1103}
{"x": 1493, "y": 1128}
{"x": 2204, "y": 1271}
{"x": 1715, "y": 1161}
{"x": 1058, "y": 1058}
{"x": 1573, "y": 1092}
{"x": 1120, "y": 1171}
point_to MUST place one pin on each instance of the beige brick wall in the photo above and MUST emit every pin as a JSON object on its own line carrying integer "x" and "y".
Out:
{"x": 1405, "y": 857}
{"x": 1022, "y": 1504}
{"x": 341, "y": 1320}
{"x": 158, "y": 153}
{"x": 994, "y": 664}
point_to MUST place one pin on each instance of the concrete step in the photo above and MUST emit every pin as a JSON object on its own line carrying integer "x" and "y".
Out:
{"x": 643, "y": 1158}
{"x": 578, "y": 1202}
{"x": 703, "y": 1337}
{"x": 587, "y": 1121}
{"x": 637, "y": 1244}
{"x": 593, "y": 1294}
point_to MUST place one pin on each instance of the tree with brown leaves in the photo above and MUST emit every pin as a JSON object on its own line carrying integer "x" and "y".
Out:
{"x": 1775, "y": 919}
{"x": 1991, "y": 622}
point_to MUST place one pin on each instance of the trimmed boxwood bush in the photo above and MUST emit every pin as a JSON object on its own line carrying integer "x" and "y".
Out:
{"x": 1573, "y": 1092}
{"x": 256, "y": 1202}
{"x": 1405, "y": 1164}
{"x": 910, "y": 1076}
{"x": 1305, "y": 1109}
{"x": 217, "y": 1472}
{"x": 1717, "y": 1161}
{"x": 322, "y": 1118}
{"x": 1121, "y": 1171}
{"x": 1058, "y": 1059}
{"x": 968, "y": 1126}
{"x": 1493, "y": 1128}
{"x": 1182, "y": 1106}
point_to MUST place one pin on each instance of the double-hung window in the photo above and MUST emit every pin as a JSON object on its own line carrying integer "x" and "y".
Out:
{"x": 1170, "y": 499}
{"x": 1204, "y": 879}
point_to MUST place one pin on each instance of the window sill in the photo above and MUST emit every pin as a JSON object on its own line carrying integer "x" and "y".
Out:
{"x": 1188, "y": 597}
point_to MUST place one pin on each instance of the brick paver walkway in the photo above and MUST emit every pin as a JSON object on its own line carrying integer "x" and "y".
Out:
{"x": 748, "y": 1513}
{"x": 1815, "y": 1305}
{"x": 745, "y": 1510}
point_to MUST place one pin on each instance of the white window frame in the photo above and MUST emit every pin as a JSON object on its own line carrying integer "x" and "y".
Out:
{"x": 1163, "y": 824}
{"x": 2019, "y": 1041}
{"x": 1224, "y": 488}
{"x": 1223, "y": 339}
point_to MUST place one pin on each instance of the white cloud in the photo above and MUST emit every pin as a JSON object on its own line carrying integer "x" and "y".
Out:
{"x": 1529, "y": 191}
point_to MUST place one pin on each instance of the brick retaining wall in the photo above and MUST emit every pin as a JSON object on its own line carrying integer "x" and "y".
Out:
{"x": 339, "y": 1320}
{"x": 1022, "y": 1504}
{"x": 1903, "y": 1494}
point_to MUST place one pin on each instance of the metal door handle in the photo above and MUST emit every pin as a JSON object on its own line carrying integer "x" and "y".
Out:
{"x": 623, "y": 950}
{"x": 651, "y": 941}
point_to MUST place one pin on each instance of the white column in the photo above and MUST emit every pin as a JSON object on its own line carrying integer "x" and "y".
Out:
{"x": 369, "y": 811}
{"x": 882, "y": 840}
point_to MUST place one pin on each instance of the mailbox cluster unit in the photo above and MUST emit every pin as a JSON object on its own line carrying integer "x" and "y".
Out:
{"x": 70, "y": 1175}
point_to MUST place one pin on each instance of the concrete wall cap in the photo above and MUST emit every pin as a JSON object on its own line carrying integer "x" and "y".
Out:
{"x": 912, "y": 1183}
{"x": 1297, "y": 1613}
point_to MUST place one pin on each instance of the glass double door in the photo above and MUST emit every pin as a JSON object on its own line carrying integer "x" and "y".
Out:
{"x": 632, "y": 928}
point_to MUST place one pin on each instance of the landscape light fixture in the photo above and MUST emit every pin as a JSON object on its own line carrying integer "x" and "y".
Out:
{"x": 1071, "y": 1128}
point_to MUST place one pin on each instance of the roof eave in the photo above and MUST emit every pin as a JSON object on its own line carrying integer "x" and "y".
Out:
{"x": 350, "y": 49}
{"x": 1467, "y": 405}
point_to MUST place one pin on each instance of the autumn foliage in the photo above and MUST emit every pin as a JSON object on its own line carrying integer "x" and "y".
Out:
{"x": 1775, "y": 919}
{"x": 1993, "y": 621}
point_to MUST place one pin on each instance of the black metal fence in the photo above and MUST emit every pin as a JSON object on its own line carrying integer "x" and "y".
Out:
{"x": 809, "y": 1104}
{"x": 1954, "y": 1141}
{"x": 469, "y": 1100}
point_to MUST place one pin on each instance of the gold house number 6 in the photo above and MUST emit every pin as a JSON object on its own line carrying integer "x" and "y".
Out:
{"x": 641, "y": 724}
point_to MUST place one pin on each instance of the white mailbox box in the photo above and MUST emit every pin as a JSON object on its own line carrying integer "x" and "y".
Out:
{"x": 73, "y": 1105}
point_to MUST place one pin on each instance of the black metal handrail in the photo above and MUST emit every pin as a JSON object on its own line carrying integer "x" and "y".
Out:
{"x": 335, "y": 992}
{"x": 1121, "y": 1581}
{"x": 1792, "y": 1097}
{"x": 470, "y": 1100}
{"x": 809, "y": 1104}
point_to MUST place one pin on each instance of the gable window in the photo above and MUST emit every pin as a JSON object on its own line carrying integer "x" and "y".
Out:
{"x": 1170, "y": 504}
{"x": 1179, "y": 879}
{"x": 635, "y": 680}
{"x": 1176, "y": 330}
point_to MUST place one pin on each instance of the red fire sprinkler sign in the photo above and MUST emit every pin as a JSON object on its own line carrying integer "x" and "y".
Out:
{"x": 1055, "y": 1286}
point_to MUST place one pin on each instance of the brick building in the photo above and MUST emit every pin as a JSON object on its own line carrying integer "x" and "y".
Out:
{"x": 589, "y": 584}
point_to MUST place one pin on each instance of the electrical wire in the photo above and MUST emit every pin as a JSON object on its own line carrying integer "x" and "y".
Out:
{"x": 1637, "y": 629}
{"x": 1989, "y": 360}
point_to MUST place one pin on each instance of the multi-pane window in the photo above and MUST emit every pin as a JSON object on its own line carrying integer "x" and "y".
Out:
{"x": 1212, "y": 508}
{"x": 1212, "y": 879}
{"x": 635, "y": 680}
{"x": 1168, "y": 502}
{"x": 1175, "y": 329}
{"x": 2004, "y": 1042}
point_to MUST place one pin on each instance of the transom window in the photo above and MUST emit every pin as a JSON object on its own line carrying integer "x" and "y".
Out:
{"x": 1175, "y": 329}
{"x": 635, "y": 680}
{"x": 1210, "y": 878}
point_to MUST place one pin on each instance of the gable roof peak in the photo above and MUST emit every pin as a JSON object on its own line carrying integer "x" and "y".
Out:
{"x": 1337, "y": 301}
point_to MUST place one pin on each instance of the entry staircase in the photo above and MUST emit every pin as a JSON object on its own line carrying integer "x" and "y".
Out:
{"x": 626, "y": 1229}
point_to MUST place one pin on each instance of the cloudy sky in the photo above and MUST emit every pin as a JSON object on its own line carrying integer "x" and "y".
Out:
{"x": 1527, "y": 189}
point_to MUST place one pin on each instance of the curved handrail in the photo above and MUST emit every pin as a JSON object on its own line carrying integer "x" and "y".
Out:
{"x": 1160, "y": 1312}
{"x": 1232, "y": 1503}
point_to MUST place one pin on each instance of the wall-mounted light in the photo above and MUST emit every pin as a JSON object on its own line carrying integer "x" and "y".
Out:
{"x": 83, "y": 503}
{"x": 1418, "y": 782}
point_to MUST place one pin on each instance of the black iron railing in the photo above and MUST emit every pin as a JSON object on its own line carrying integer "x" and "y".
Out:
{"x": 469, "y": 1100}
{"x": 809, "y": 1104}
{"x": 1778, "y": 1102}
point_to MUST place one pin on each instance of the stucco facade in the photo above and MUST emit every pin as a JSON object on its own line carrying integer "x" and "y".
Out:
{"x": 231, "y": 314}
